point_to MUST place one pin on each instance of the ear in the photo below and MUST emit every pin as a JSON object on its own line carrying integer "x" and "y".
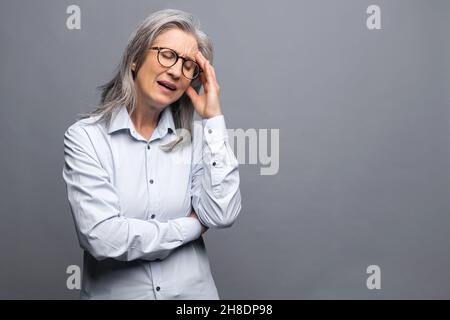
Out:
{"x": 133, "y": 66}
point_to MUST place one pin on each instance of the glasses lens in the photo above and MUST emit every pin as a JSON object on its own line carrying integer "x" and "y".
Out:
{"x": 167, "y": 58}
{"x": 191, "y": 69}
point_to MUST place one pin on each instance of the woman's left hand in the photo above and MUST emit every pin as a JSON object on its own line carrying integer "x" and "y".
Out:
{"x": 194, "y": 215}
{"x": 207, "y": 105}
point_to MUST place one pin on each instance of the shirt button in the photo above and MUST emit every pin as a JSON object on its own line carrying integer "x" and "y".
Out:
{"x": 148, "y": 146}
{"x": 151, "y": 181}
{"x": 214, "y": 163}
{"x": 158, "y": 288}
{"x": 209, "y": 131}
{"x": 153, "y": 216}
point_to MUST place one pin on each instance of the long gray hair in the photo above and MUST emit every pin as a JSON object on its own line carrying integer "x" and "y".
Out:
{"x": 121, "y": 89}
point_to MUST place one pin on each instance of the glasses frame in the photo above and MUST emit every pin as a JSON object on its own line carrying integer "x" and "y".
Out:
{"x": 177, "y": 58}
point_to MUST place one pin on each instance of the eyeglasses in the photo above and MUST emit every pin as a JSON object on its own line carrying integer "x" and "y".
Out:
{"x": 168, "y": 57}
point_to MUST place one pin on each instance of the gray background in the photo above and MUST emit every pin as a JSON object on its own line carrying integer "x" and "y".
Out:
{"x": 364, "y": 142}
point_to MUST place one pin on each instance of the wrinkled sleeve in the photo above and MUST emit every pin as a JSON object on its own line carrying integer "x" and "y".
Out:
{"x": 215, "y": 191}
{"x": 95, "y": 207}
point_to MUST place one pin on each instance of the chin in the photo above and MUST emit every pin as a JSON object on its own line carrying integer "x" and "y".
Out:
{"x": 163, "y": 100}
{"x": 170, "y": 100}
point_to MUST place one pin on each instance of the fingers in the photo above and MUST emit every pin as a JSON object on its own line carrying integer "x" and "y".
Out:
{"x": 204, "y": 64}
{"x": 203, "y": 78}
{"x": 213, "y": 72}
{"x": 194, "y": 215}
{"x": 192, "y": 94}
{"x": 208, "y": 70}
{"x": 201, "y": 60}
{"x": 211, "y": 77}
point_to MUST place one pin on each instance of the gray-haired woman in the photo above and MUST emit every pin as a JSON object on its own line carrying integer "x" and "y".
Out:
{"x": 144, "y": 180}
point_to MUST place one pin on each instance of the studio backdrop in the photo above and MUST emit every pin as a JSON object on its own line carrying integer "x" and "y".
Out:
{"x": 338, "y": 112}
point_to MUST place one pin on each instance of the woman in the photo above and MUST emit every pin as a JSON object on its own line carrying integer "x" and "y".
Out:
{"x": 145, "y": 181}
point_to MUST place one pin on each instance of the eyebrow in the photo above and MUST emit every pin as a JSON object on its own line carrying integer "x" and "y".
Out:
{"x": 186, "y": 57}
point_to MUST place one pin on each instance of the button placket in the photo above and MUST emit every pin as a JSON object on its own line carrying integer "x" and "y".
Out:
{"x": 154, "y": 208}
{"x": 155, "y": 268}
{"x": 150, "y": 182}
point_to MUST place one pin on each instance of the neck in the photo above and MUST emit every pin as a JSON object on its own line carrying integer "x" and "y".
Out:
{"x": 145, "y": 117}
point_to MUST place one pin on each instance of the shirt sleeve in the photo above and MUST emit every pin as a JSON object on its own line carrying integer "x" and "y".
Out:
{"x": 215, "y": 192}
{"x": 95, "y": 207}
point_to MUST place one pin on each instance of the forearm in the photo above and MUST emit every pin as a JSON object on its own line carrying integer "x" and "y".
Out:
{"x": 216, "y": 193}
{"x": 127, "y": 239}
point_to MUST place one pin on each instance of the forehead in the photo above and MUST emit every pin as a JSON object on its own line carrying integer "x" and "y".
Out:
{"x": 182, "y": 42}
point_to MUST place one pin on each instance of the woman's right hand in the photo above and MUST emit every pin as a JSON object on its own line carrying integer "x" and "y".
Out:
{"x": 194, "y": 215}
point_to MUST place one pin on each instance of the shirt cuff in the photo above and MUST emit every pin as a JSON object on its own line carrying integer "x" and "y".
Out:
{"x": 214, "y": 129}
{"x": 190, "y": 228}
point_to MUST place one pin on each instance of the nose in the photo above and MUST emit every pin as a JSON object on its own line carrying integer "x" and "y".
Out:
{"x": 175, "y": 70}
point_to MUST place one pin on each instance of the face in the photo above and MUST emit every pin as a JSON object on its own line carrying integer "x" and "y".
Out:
{"x": 152, "y": 78}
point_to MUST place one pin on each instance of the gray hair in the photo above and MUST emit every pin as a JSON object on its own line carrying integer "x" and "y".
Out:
{"x": 121, "y": 89}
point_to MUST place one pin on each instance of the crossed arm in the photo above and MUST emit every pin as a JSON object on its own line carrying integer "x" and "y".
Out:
{"x": 105, "y": 233}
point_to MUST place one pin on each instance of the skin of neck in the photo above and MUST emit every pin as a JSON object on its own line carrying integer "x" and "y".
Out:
{"x": 145, "y": 118}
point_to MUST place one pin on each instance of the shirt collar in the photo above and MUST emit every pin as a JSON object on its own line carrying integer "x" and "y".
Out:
{"x": 121, "y": 120}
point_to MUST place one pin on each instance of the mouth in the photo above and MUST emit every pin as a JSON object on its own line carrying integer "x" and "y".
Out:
{"x": 168, "y": 85}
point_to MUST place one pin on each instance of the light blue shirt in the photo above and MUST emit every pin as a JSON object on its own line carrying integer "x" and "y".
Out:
{"x": 131, "y": 202}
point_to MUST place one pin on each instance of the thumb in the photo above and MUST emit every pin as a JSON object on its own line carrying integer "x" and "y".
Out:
{"x": 192, "y": 94}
